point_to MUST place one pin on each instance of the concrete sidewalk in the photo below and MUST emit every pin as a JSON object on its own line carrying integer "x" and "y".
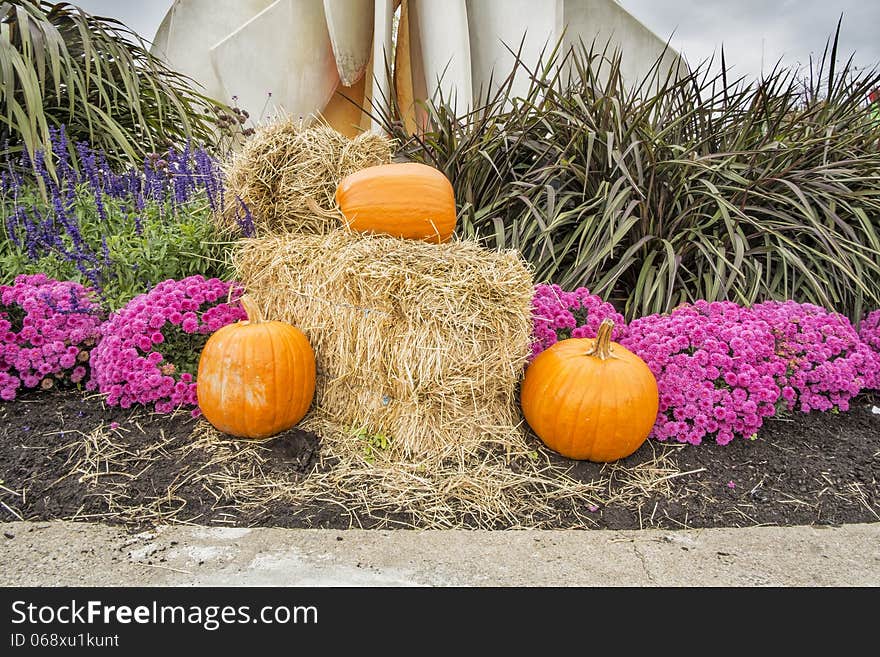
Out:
{"x": 79, "y": 554}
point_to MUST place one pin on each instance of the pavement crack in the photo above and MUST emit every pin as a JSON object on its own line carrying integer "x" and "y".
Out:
{"x": 644, "y": 561}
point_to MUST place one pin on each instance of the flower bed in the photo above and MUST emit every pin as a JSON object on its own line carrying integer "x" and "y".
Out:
{"x": 557, "y": 315}
{"x": 47, "y": 328}
{"x": 869, "y": 332}
{"x": 716, "y": 370}
{"x": 722, "y": 368}
{"x": 142, "y": 243}
{"x": 826, "y": 363}
{"x": 118, "y": 233}
{"x": 148, "y": 353}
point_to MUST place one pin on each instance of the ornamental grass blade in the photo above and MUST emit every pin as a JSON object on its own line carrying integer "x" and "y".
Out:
{"x": 62, "y": 66}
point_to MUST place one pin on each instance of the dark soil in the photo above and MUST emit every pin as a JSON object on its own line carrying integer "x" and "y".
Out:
{"x": 822, "y": 468}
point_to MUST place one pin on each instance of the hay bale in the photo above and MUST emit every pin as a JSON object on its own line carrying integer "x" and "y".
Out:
{"x": 285, "y": 165}
{"x": 422, "y": 343}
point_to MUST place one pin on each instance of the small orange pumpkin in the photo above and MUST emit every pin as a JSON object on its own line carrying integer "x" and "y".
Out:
{"x": 255, "y": 378}
{"x": 590, "y": 399}
{"x": 408, "y": 200}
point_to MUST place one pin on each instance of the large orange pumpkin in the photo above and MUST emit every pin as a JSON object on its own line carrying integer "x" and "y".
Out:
{"x": 256, "y": 378}
{"x": 590, "y": 399}
{"x": 407, "y": 200}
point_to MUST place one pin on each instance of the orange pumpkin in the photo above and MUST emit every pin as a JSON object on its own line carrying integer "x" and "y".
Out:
{"x": 407, "y": 200}
{"x": 256, "y": 378}
{"x": 590, "y": 399}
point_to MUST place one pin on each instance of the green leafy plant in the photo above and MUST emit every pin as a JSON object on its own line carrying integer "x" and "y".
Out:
{"x": 162, "y": 244}
{"x": 374, "y": 444}
{"x": 62, "y": 66}
{"x": 117, "y": 232}
{"x": 685, "y": 185}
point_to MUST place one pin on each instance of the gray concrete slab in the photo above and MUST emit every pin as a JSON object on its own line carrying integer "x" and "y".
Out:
{"x": 80, "y": 554}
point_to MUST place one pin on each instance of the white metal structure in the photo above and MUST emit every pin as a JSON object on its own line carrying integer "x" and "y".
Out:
{"x": 305, "y": 51}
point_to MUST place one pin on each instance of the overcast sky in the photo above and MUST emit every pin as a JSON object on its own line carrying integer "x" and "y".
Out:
{"x": 756, "y": 30}
{"x": 752, "y": 31}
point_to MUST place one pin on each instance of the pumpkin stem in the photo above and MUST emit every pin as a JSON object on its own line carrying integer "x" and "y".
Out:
{"x": 335, "y": 213}
{"x": 251, "y": 309}
{"x": 602, "y": 347}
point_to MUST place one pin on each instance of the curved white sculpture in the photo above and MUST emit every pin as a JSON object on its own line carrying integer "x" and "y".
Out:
{"x": 296, "y": 31}
{"x": 445, "y": 48}
{"x": 192, "y": 27}
{"x": 496, "y": 28}
{"x": 350, "y": 24}
{"x": 383, "y": 39}
{"x": 328, "y": 57}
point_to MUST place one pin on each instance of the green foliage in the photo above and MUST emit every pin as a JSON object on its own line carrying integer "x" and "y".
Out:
{"x": 678, "y": 188}
{"x": 62, "y": 66}
{"x": 172, "y": 243}
{"x": 374, "y": 444}
{"x": 182, "y": 351}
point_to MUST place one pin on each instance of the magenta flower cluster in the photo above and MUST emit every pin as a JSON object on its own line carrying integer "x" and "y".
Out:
{"x": 826, "y": 362}
{"x": 557, "y": 315}
{"x": 46, "y": 330}
{"x": 869, "y": 332}
{"x": 148, "y": 353}
{"x": 716, "y": 370}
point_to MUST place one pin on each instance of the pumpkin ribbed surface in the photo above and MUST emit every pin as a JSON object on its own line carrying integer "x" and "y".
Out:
{"x": 256, "y": 378}
{"x": 590, "y": 399}
{"x": 408, "y": 200}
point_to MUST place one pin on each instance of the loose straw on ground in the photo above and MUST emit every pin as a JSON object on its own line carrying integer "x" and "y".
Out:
{"x": 365, "y": 485}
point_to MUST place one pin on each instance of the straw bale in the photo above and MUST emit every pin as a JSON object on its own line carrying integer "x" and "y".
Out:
{"x": 284, "y": 166}
{"x": 422, "y": 343}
